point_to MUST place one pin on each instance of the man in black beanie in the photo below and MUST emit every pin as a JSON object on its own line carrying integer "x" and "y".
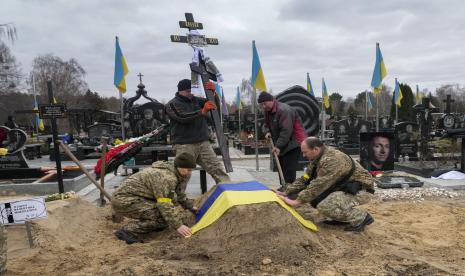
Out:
{"x": 156, "y": 198}
{"x": 284, "y": 127}
{"x": 189, "y": 129}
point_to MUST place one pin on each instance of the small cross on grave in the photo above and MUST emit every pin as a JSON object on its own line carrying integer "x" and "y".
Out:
{"x": 448, "y": 102}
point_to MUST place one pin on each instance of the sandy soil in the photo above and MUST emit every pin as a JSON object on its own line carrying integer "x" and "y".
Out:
{"x": 423, "y": 238}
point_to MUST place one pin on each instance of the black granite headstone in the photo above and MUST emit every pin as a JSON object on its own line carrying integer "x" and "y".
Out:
{"x": 407, "y": 137}
{"x": 13, "y": 140}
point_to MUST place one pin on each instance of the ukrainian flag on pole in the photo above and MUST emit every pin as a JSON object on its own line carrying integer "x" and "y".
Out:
{"x": 370, "y": 102}
{"x": 309, "y": 86}
{"x": 238, "y": 99}
{"x": 258, "y": 79}
{"x": 397, "y": 94}
{"x": 121, "y": 69}
{"x": 39, "y": 121}
{"x": 325, "y": 94}
{"x": 379, "y": 72}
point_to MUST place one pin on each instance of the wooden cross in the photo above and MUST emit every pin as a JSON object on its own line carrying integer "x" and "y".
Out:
{"x": 191, "y": 39}
{"x": 200, "y": 68}
{"x": 448, "y": 101}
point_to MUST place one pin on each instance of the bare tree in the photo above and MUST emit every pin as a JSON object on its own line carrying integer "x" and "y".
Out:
{"x": 8, "y": 30}
{"x": 67, "y": 78}
{"x": 10, "y": 73}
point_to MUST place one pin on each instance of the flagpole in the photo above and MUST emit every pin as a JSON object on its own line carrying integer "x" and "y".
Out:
{"x": 323, "y": 119}
{"x": 257, "y": 165}
{"x": 239, "y": 111}
{"x": 377, "y": 111}
{"x": 366, "y": 105}
{"x": 35, "y": 103}
{"x": 395, "y": 102}
{"x": 123, "y": 135}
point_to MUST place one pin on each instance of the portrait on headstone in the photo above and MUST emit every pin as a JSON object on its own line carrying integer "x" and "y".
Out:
{"x": 377, "y": 151}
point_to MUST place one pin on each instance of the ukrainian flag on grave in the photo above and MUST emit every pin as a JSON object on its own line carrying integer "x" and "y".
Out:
{"x": 226, "y": 196}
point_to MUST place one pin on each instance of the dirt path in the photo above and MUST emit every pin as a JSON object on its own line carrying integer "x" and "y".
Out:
{"x": 425, "y": 238}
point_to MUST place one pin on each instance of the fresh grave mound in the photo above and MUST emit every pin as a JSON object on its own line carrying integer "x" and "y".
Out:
{"x": 252, "y": 233}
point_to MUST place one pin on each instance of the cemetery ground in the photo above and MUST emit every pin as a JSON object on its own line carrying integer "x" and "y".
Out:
{"x": 420, "y": 235}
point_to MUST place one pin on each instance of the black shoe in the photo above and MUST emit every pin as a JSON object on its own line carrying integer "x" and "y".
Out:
{"x": 359, "y": 228}
{"x": 126, "y": 236}
{"x": 334, "y": 222}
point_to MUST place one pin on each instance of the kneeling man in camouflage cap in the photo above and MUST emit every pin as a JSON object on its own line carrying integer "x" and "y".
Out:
{"x": 156, "y": 198}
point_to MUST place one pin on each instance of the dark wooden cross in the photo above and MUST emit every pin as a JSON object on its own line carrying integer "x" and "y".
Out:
{"x": 140, "y": 77}
{"x": 200, "y": 68}
{"x": 448, "y": 101}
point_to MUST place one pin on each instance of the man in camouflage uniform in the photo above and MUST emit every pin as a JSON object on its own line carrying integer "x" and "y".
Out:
{"x": 156, "y": 198}
{"x": 3, "y": 249}
{"x": 334, "y": 184}
{"x": 189, "y": 129}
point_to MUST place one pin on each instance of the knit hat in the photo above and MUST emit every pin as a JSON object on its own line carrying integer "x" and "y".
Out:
{"x": 265, "y": 97}
{"x": 184, "y": 84}
{"x": 185, "y": 160}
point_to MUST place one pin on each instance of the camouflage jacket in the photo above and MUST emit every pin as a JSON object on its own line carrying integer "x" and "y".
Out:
{"x": 331, "y": 167}
{"x": 164, "y": 185}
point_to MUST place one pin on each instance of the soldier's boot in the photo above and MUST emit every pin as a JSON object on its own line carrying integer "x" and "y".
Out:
{"x": 334, "y": 222}
{"x": 127, "y": 236}
{"x": 359, "y": 228}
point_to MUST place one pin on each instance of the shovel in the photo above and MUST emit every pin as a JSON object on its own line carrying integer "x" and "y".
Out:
{"x": 280, "y": 170}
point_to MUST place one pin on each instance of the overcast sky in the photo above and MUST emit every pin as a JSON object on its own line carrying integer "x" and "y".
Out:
{"x": 422, "y": 42}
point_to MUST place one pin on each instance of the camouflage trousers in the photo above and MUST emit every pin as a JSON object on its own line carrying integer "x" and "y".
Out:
{"x": 147, "y": 216}
{"x": 3, "y": 249}
{"x": 340, "y": 206}
{"x": 206, "y": 158}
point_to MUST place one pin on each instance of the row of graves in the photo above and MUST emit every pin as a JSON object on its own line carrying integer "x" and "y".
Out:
{"x": 428, "y": 146}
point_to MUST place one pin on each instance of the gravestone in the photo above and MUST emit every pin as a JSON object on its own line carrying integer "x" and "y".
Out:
{"x": 13, "y": 140}
{"x": 142, "y": 119}
{"x": 385, "y": 124}
{"x": 388, "y": 182}
{"x": 407, "y": 138}
{"x": 96, "y": 131}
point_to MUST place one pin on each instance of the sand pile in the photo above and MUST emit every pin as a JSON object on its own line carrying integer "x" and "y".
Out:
{"x": 260, "y": 239}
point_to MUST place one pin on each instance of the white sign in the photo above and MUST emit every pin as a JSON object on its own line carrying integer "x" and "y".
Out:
{"x": 18, "y": 212}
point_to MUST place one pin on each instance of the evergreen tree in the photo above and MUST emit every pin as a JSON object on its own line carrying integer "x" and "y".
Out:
{"x": 405, "y": 110}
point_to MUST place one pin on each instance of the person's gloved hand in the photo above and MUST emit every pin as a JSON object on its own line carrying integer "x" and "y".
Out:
{"x": 209, "y": 105}
{"x": 209, "y": 86}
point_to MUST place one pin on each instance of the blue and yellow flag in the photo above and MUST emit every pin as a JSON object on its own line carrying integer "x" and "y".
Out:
{"x": 369, "y": 100}
{"x": 238, "y": 99}
{"x": 324, "y": 93}
{"x": 258, "y": 79}
{"x": 39, "y": 121}
{"x": 226, "y": 196}
{"x": 397, "y": 94}
{"x": 379, "y": 72}
{"x": 121, "y": 69}
{"x": 309, "y": 86}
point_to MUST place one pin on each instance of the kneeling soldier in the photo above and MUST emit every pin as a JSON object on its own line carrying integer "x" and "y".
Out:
{"x": 156, "y": 198}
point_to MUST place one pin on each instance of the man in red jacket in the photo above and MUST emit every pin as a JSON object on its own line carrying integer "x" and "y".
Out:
{"x": 285, "y": 129}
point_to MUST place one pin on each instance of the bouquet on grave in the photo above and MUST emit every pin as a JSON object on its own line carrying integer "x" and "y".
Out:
{"x": 125, "y": 151}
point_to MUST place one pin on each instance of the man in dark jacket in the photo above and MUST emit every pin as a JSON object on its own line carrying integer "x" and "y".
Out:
{"x": 285, "y": 128}
{"x": 189, "y": 129}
